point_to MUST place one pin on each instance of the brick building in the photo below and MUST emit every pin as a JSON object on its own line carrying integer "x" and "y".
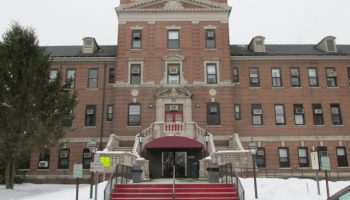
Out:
{"x": 175, "y": 80}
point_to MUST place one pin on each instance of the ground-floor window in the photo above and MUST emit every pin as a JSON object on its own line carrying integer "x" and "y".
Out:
{"x": 44, "y": 160}
{"x": 63, "y": 159}
{"x": 260, "y": 157}
{"x": 342, "y": 158}
{"x": 283, "y": 157}
{"x": 87, "y": 158}
{"x": 303, "y": 157}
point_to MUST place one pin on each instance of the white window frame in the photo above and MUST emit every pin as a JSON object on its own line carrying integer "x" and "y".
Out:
{"x": 129, "y": 71}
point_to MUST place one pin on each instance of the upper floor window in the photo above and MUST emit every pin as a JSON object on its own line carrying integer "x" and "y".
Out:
{"x": 317, "y": 114}
{"x": 303, "y": 157}
{"x": 213, "y": 113}
{"x": 173, "y": 74}
{"x": 279, "y": 113}
{"x": 53, "y": 73}
{"x": 173, "y": 39}
{"x": 313, "y": 77}
{"x": 299, "y": 114}
{"x": 109, "y": 112}
{"x": 93, "y": 78}
{"x": 276, "y": 77}
{"x": 63, "y": 159}
{"x": 211, "y": 73}
{"x": 235, "y": 75}
{"x": 342, "y": 158}
{"x": 238, "y": 112}
{"x": 44, "y": 160}
{"x": 257, "y": 114}
{"x": 260, "y": 157}
{"x": 283, "y": 157}
{"x": 68, "y": 119}
{"x": 111, "y": 75}
{"x": 331, "y": 77}
{"x": 90, "y": 115}
{"x": 135, "y": 74}
{"x": 134, "y": 114}
{"x": 70, "y": 78}
{"x": 254, "y": 77}
{"x": 336, "y": 114}
{"x": 295, "y": 77}
{"x": 210, "y": 38}
{"x": 136, "y": 39}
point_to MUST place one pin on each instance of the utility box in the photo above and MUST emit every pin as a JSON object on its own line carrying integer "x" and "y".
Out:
{"x": 137, "y": 174}
{"x": 213, "y": 173}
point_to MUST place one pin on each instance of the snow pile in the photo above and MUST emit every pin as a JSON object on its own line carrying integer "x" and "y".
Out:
{"x": 268, "y": 189}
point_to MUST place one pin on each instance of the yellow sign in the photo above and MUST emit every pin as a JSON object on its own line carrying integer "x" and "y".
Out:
{"x": 105, "y": 160}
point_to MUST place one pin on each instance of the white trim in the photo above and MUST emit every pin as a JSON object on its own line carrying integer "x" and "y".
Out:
{"x": 83, "y": 59}
{"x": 212, "y": 61}
{"x": 209, "y": 27}
{"x": 131, "y": 62}
{"x": 173, "y": 27}
{"x": 293, "y": 58}
{"x": 137, "y": 27}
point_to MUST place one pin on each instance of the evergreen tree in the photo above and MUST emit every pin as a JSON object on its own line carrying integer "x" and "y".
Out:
{"x": 32, "y": 107}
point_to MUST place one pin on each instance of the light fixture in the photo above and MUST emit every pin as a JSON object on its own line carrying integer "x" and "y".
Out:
{"x": 253, "y": 150}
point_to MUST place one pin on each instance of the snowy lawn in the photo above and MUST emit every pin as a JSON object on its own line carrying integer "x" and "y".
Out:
{"x": 268, "y": 189}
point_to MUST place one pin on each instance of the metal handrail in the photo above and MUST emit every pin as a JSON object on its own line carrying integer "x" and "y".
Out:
{"x": 174, "y": 189}
{"x": 121, "y": 174}
{"x": 227, "y": 174}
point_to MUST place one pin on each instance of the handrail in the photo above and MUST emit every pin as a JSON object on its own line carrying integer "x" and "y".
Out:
{"x": 174, "y": 170}
{"x": 227, "y": 174}
{"x": 121, "y": 174}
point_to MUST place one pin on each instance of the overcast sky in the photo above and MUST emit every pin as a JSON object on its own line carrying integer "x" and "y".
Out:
{"x": 66, "y": 22}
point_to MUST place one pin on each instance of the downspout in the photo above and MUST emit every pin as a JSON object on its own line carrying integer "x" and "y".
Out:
{"x": 103, "y": 105}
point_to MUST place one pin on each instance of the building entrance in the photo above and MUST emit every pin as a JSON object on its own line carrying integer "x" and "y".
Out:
{"x": 171, "y": 159}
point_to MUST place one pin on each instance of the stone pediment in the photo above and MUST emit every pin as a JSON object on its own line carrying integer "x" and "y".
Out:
{"x": 174, "y": 93}
{"x": 173, "y": 6}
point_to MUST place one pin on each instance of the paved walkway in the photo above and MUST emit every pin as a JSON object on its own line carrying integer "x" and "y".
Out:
{"x": 178, "y": 180}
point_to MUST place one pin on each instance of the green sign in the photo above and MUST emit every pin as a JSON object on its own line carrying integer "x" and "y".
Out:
{"x": 105, "y": 160}
{"x": 325, "y": 163}
{"x": 78, "y": 171}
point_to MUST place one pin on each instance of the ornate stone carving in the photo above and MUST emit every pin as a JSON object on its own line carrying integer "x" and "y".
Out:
{"x": 173, "y": 5}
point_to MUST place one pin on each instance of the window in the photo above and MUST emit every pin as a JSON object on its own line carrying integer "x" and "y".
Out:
{"x": 303, "y": 157}
{"x": 237, "y": 112}
{"x": 174, "y": 74}
{"x": 135, "y": 74}
{"x": 331, "y": 75}
{"x": 53, "y": 73}
{"x": 254, "y": 77}
{"x": 70, "y": 78}
{"x": 257, "y": 114}
{"x": 313, "y": 78}
{"x": 111, "y": 75}
{"x": 93, "y": 77}
{"x": 68, "y": 119}
{"x": 211, "y": 73}
{"x": 349, "y": 75}
{"x": 173, "y": 39}
{"x": 44, "y": 160}
{"x": 63, "y": 159}
{"x": 336, "y": 114}
{"x": 210, "y": 38}
{"x": 317, "y": 114}
{"x": 90, "y": 115}
{"x": 134, "y": 116}
{"x": 213, "y": 113}
{"x": 136, "y": 39}
{"x": 260, "y": 157}
{"x": 299, "y": 114}
{"x": 279, "y": 113}
{"x": 109, "y": 112}
{"x": 295, "y": 77}
{"x": 283, "y": 157}
{"x": 235, "y": 75}
{"x": 24, "y": 161}
{"x": 276, "y": 77}
{"x": 342, "y": 158}
{"x": 87, "y": 158}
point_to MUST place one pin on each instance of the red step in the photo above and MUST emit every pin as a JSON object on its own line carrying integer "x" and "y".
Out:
{"x": 183, "y": 192}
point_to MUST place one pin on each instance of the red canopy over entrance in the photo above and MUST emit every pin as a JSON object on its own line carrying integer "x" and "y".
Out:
{"x": 174, "y": 142}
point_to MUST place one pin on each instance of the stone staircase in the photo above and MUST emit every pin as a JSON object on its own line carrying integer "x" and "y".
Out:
{"x": 182, "y": 192}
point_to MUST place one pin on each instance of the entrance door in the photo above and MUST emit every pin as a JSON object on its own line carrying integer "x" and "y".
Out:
{"x": 171, "y": 158}
{"x": 173, "y": 116}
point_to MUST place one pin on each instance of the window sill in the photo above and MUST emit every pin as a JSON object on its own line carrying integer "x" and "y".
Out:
{"x": 343, "y": 167}
{"x": 43, "y": 170}
{"x": 89, "y": 127}
{"x": 321, "y": 125}
{"x": 174, "y": 49}
{"x": 92, "y": 89}
{"x": 133, "y": 126}
{"x": 305, "y": 168}
{"x": 285, "y": 168}
{"x": 136, "y": 49}
{"x": 281, "y": 125}
{"x": 333, "y": 87}
{"x": 108, "y": 122}
{"x": 301, "y": 125}
{"x": 211, "y": 49}
{"x": 316, "y": 87}
{"x": 254, "y": 87}
{"x": 257, "y": 126}
{"x": 62, "y": 170}
{"x": 296, "y": 87}
{"x": 338, "y": 125}
{"x": 277, "y": 88}
{"x": 214, "y": 126}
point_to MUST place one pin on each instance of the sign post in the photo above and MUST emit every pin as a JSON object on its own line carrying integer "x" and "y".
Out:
{"x": 315, "y": 166}
{"x": 96, "y": 167}
{"x": 92, "y": 145}
{"x": 77, "y": 173}
{"x": 326, "y": 166}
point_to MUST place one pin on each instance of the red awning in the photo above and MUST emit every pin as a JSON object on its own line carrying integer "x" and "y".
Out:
{"x": 174, "y": 142}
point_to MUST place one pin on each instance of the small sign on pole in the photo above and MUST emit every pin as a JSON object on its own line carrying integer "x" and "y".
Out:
{"x": 314, "y": 161}
{"x": 77, "y": 173}
{"x": 97, "y": 167}
{"x": 325, "y": 163}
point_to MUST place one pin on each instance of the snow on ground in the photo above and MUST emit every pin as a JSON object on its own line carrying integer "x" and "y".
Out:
{"x": 268, "y": 189}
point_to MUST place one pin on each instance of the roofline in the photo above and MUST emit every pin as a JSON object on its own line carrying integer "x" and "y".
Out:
{"x": 83, "y": 59}
{"x": 291, "y": 57}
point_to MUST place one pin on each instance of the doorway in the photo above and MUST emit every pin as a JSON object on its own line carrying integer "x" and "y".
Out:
{"x": 171, "y": 159}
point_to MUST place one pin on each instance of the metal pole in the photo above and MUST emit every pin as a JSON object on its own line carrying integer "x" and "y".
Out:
{"x": 327, "y": 187}
{"x": 91, "y": 184}
{"x": 77, "y": 190}
{"x": 318, "y": 184}
{"x": 206, "y": 149}
{"x": 254, "y": 173}
{"x": 96, "y": 185}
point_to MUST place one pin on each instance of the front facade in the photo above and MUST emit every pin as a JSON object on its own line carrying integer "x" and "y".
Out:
{"x": 174, "y": 78}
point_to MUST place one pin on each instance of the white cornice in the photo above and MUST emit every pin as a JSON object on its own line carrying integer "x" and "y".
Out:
{"x": 289, "y": 58}
{"x": 83, "y": 59}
